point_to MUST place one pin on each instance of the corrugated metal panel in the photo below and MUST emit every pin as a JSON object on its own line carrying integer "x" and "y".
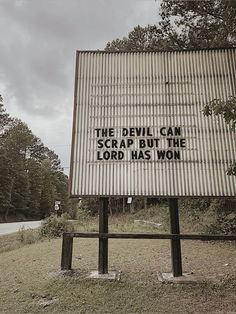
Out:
{"x": 157, "y": 92}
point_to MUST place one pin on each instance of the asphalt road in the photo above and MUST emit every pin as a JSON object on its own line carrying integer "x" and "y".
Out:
{"x": 7, "y": 228}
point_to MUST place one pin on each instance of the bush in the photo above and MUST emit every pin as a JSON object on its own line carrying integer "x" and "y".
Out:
{"x": 223, "y": 224}
{"x": 88, "y": 207}
{"x": 28, "y": 236}
{"x": 53, "y": 226}
{"x": 193, "y": 208}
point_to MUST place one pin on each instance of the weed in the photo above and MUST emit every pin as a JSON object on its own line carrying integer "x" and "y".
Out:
{"x": 27, "y": 236}
{"x": 54, "y": 226}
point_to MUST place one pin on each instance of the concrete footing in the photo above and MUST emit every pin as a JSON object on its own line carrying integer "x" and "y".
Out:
{"x": 111, "y": 275}
{"x": 168, "y": 277}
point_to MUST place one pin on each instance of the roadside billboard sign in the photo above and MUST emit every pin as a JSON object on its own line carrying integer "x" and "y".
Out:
{"x": 139, "y": 129}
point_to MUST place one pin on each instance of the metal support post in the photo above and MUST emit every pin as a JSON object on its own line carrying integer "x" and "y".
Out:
{"x": 103, "y": 243}
{"x": 175, "y": 243}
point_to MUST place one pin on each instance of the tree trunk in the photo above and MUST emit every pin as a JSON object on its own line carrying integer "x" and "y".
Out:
{"x": 145, "y": 203}
{"x": 6, "y": 214}
{"x": 123, "y": 205}
{"x": 131, "y": 206}
{"x": 109, "y": 206}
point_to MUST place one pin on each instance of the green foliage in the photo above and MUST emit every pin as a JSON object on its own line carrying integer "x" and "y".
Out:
{"x": 184, "y": 25}
{"x": 53, "y": 226}
{"x": 194, "y": 207}
{"x": 61, "y": 191}
{"x": 4, "y": 117}
{"x": 88, "y": 206}
{"x": 27, "y": 236}
{"x": 225, "y": 108}
{"x": 214, "y": 215}
{"x": 199, "y": 24}
{"x": 5, "y": 184}
{"x": 225, "y": 224}
{"x": 35, "y": 186}
{"x": 74, "y": 208}
{"x": 232, "y": 170}
{"x": 20, "y": 190}
{"x": 225, "y": 221}
{"x": 198, "y": 203}
{"x": 139, "y": 39}
{"x": 48, "y": 189}
{"x": 31, "y": 178}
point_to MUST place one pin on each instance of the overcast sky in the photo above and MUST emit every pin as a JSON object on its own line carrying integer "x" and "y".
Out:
{"x": 37, "y": 56}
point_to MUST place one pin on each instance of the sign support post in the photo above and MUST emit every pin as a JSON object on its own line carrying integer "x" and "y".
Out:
{"x": 103, "y": 243}
{"x": 175, "y": 243}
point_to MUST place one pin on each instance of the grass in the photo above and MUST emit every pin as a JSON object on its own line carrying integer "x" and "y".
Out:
{"x": 157, "y": 214}
{"x": 30, "y": 274}
{"x": 18, "y": 239}
{"x": 30, "y": 280}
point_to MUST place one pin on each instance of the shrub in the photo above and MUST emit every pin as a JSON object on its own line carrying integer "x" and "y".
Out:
{"x": 27, "y": 236}
{"x": 193, "y": 208}
{"x": 224, "y": 224}
{"x": 89, "y": 207}
{"x": 53, "y": 226}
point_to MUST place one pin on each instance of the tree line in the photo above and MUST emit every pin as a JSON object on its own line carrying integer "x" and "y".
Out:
{"x": 31, "y": 177}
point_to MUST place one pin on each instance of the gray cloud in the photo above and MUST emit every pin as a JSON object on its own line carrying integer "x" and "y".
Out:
{"x": 37, "y": 53}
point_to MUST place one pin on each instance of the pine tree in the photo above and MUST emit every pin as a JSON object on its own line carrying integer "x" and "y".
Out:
{"x": 35, "y": 187}
{"x": 48, "y": 189}
{"x": 5, "y": 185}
{"x": 4, "y": 117}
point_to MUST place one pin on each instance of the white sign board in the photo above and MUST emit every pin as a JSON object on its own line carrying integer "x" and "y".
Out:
{"x": 138, "y": 126}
